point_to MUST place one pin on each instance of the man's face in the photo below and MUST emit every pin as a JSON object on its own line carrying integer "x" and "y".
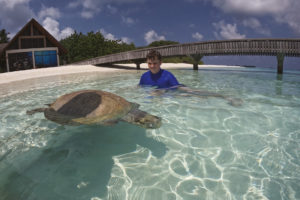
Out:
{"x": 154, "y": 65}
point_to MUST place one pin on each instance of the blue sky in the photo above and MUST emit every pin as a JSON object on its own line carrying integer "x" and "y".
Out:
{"x": 144, "y": 21}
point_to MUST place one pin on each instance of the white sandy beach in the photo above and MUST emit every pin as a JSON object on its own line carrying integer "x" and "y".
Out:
{"x": 74, "y": 69}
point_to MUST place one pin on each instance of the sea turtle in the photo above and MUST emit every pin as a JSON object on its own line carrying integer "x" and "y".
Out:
{"x": 96, "y": 107}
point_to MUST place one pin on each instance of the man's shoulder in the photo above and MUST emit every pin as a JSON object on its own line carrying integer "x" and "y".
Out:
{"x": 166, "y": 72}
{"x": 147, "y": 73}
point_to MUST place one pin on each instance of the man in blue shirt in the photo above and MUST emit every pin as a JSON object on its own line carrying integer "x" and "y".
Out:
{"x": 163, "y": 79}
{"x": 156, "y": 76}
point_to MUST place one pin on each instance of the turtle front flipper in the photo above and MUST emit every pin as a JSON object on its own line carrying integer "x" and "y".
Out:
{"x": 31, "y": 112}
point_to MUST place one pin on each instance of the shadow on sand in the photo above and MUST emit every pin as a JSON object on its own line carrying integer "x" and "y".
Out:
{"x": 116, "y": 66}
{"x": 79, "y": 167}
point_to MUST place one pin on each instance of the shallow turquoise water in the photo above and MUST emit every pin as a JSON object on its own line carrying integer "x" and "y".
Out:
{"x": 205, "y": 149}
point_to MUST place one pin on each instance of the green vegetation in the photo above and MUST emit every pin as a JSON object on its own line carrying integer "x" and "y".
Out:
{"x": 175, "y": 59}
{"x": 81, "y": 46}
{"x": 180, "y": 59}
{"x": 162, "y": 43}
{"x": 3, "y": 39}
{"x": 3, "y": 36}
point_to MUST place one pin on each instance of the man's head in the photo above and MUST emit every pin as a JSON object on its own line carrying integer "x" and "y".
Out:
{"x": 154, "y": 61}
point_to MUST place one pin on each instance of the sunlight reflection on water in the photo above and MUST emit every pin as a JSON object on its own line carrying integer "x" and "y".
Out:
{"x": 205, "y": 149}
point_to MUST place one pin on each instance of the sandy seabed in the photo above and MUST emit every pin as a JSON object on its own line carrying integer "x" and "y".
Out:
{"x": 74, "y": 69}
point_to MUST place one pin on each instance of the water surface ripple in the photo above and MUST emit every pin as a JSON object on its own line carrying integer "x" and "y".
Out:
{"x": 205, "y": 149}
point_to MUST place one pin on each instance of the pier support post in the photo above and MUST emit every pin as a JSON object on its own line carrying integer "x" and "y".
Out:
{"x": 280, "y": 59}
{"x": 196, "y": 58}
{"x": 278, "y": 87}
{"x": 138, "y": 63}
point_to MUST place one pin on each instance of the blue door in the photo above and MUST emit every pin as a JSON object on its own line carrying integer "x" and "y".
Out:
{"x": 45, "y": 58}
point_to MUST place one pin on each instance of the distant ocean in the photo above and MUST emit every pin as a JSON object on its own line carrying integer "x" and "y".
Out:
{"x": 269, "y": 62}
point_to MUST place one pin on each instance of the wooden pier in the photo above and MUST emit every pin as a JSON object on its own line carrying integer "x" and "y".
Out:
{"x": 280, "y": 48}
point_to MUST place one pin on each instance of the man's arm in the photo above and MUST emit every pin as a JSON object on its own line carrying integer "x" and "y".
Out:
{"x": 142, "y": 80}
{"x": 173, "y": 81}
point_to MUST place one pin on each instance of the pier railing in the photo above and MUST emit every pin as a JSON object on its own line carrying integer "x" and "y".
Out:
{"x": 262, "y": 47}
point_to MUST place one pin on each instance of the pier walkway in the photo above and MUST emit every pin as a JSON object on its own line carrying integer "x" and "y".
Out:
{"x": 280, "y": 48}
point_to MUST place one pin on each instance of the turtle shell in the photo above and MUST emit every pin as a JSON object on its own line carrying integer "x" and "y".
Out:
{"x": 89, "y": 107}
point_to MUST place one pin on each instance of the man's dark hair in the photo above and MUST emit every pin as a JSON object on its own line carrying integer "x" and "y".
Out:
{"x": 153, "y": 54}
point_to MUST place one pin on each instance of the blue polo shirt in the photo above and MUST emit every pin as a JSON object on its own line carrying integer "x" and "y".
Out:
{"x": 162, "y": 79}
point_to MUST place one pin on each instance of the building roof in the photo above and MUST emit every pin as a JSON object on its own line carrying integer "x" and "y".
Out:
{"x": 61, "y": 49}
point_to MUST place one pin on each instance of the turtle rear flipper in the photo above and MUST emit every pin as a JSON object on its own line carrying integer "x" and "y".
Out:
{"x": 110, "y": 123}
{"x": 31, "y": 112}
{"x": 54, "y": 116}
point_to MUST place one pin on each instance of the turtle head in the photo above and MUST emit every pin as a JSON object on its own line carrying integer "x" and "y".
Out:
{"x": 149, "y": 121}
{"x": 143, "y": 119}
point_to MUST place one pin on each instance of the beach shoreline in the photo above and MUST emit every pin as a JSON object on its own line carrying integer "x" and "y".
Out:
{"x": 10, "y": 77}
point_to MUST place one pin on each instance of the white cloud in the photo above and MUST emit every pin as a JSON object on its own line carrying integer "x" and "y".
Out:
{"x": 197, "y": 36}
{"x": 252, "y": 23}
{"x": 152, "y": 36}
{"x": 253, "y": 7}
{"x": 12, "y": 3}
{"x": 126, "y": 40}
{"x": 87, "y": 14}
{"x": 14, "y": 14}
{"x": 112, "y": 9}
{"x": 49, "y": 17}
{"x": 256, "y": 25}
{"x": 192, "y": 25}
{"x": 52, "y": 26}
{"x": 227, "y": 31}
{"x": 74, "y": 4}
{"x": 49, "y": 12}
{"x": 89, "y": 7}
{"x": 66, "y": 32}
{"x": 128, "y": 20}
{"x": 107, "y": 35}
{"x": 291, "y": 16}
{"x": 92, "y": 7}
{"x": 110, "y": 36}
{"x": 282, "y": 11}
